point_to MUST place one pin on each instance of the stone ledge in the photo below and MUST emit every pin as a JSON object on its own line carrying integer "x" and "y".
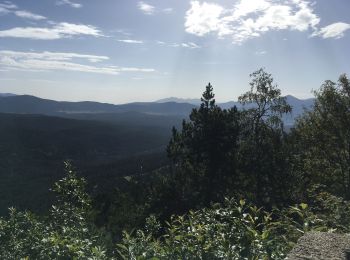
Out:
{"x": 321, "y": 245}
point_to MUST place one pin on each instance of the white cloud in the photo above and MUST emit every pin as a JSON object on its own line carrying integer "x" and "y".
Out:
{"x": 130, "y": 41}
{"x": 260, "y": 53}
{"x": 168, "y": 10}
{"x": 8, "y": 4}
{"x": 3, "y": 10}
{"x": 7, "y": 7}
{"x": 135, "y": 70}
{"x": 250, "y": 18}
{"x": 151, "y": 10}
{"x": 335, "y": 30}
{"x": 203, "y": 18}
{"x": 70, "y": 3}
{"x": 52, "y": 61}
{"x": 189, "y": 45}
{"x": 10, "y": 8}
{"x": 244, "y": 8}
{"x": 146, "y": 8}
{"x": 123, "y": 32}
{"x": 58, "y": 31}
{"x": 29, "y": 15}
{"x": 59, "y": 56}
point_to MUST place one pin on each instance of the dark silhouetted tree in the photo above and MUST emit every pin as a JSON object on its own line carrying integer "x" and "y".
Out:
{"x": 205, "y": 149}
{"x": 323, "y": 137}
{"x": 262, "y": 147}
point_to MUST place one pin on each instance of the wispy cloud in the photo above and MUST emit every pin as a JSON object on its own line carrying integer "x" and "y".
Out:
{"x": 59, "y": 56}
{"x": 69, "y": 3}
{"x": 168, "y": 10}
{"x": 57, "y": 31}
{"x": 260, "y": 53}
{"x": 151, "y": 10}
{"x": 335, "y": 30}
{"x": 250, "y": 19}
{"x": 130, "y": 41}
{"x": 29, "y": 15}
{"x": 146, "y": 8}
{"x": 53, "y": 61}
{"x": 123, "y": 32}
{"x": 8, "y": 7}
{"x": 189, "y": 45}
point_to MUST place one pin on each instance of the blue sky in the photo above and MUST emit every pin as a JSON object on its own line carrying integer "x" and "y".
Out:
{"x": 126, "y": 50}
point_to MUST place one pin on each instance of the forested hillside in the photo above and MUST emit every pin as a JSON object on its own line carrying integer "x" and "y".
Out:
{"x": 237, "y": 185}
{"x": 33, "y": 148}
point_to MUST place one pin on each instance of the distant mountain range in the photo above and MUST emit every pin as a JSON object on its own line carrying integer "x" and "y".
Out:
{"x": 6, "y": 95}
{"x": 25, "y": 104}
{"x": 192, "y": 101}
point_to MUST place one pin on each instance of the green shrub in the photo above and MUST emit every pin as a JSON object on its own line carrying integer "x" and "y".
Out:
{"x": 235, "y": 230}
{"x": 65, "y": 233}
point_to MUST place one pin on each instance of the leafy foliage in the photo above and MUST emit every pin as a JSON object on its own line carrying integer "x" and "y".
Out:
{"x": 268, "y": 104}
{"x": 235, "y": 230}
{"x": 323, "y": 139}
{"x": 263, "y": 140}
{"x": 65, "y": 234}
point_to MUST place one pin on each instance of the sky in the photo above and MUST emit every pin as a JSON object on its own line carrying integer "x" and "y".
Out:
{"x": 120, "y": 51}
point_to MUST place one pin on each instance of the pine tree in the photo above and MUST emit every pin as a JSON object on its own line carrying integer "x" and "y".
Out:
{"x": 206, "y": 148}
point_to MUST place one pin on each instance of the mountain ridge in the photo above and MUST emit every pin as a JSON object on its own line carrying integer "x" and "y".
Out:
{"x": 7, "y": 95}
{"x": 27, "y": 104}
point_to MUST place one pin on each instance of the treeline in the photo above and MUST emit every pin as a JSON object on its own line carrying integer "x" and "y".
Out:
{"x": 182, "y": 211}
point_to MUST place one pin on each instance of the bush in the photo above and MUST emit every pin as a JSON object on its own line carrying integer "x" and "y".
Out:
{"x": 65, "y": 234}
{"x": 235, "y": 230}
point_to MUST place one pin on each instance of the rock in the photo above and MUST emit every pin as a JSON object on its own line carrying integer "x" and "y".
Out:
{"x": 321, "y": 245}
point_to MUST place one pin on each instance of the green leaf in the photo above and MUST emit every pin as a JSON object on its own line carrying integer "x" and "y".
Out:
{"x": 242, "y": 202}
{"x": 303, "y": 206}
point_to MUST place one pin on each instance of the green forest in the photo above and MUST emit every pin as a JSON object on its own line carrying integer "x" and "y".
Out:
{"x": 236, "y": 184}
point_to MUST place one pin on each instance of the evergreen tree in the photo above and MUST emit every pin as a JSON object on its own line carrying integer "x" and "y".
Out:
{"x": 205, "y": 149}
